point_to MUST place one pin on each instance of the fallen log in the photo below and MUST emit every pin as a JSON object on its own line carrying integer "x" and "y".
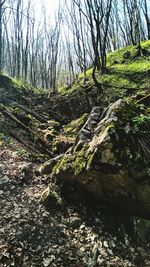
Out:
{"x": 10, "y": 101}
{"x": 20, "y": 140}
{"x": 33, "y": 136}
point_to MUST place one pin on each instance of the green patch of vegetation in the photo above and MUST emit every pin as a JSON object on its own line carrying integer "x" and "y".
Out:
{"x": 146, "y": 44}
{"x": 133, "y": 72}
{"x": 133, "y": 131}
{"x": 80, "y": 161}
{"x": 72, "y": 128}
{"x": 119, "y": 55}
{"x": 62, "y": 165}
{"x": 74, "y": 87}
{"x": 61, "y": 143}
{"x": 68, "y": 134}
{"x": 53, "y": 124}
{"x": 50, "y": 134}
{"x": 128, "y": 73}
{"x": 62, "y": 89}
{"x": 18, "y": 89}
{"x": 141, "y": 123}
{"x": 88, "y": 73}
{"x": 25, "y": 86}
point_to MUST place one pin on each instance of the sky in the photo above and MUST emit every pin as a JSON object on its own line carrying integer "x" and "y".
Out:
{"x": 51, "y": 5}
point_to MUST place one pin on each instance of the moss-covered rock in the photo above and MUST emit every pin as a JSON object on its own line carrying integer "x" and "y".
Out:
{"x": 50, "y": 134}
{"x": 53, "y": 124}
{"x": 51, "y": 198}
{"x": 68, "y": 134}
{"x": 61, "y": 143}
{"x": 27, "y": 170}
{"x": 72, "y": 128}
{"x": 112, "y": 164}
{"x": 51, "y": 131}
{"x": 47, "y": 167}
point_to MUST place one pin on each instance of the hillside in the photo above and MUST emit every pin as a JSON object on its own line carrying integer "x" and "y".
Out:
{"x": 73, "y": 161}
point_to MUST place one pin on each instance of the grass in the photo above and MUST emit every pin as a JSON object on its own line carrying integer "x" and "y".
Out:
{"x": 118, "y": 54}
{"x": 18, "y": 86}
{"x": 134, "y": 75}
{"x": 131, "y": 72}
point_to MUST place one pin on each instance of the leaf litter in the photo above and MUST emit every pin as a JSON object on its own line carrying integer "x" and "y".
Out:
{"x": 75, "y": 236}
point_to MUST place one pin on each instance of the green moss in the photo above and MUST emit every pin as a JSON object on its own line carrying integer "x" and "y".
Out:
{"x": 61, "y": 89}
{"x": 51, "y": 198}
{"x": 88, "y": 73}
{"x": 146, "y": 44}
{"x": 17, "y": 83}
{"x": 62, "y": 164}
{"x": 53, "y": 123}
{"x": 50, "y": 134}
{"x": 72, "y": 128}
{"x": 90, "y": 159}
{"x": 119, "y": 54}
{"x": 133, "y": 136}
{"x": 62, "y": 142}
{"x": 18, "y": 88}
{"x": 80, "y": 161}
{"x": 52, "y": 130}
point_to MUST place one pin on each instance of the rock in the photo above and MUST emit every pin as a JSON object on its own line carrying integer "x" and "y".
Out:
{"x": 27, "y": 169}
{"x": 112, "y": 164}
{"x": 75, "y": 221}
{"x": 87, "y": 130}
{"x": 142, "y": 229}
{"x": 54, "y": 124}
{"x": 4, "y": 180}
{"x": 72, "y": 128}
{"x": 47, "y": 167}
{"x": 51, "y": 198}
{"x": 67, "y": 136}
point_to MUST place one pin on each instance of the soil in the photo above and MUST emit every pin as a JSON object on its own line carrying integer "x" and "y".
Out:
{"x": 73, "y": 236}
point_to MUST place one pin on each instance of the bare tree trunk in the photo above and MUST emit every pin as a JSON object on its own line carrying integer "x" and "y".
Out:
{"x": 1, "y": 37}
{"x": 147, "y": 17}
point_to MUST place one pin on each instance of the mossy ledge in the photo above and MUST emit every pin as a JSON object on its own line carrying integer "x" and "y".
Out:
{"x": 113, "y": 165}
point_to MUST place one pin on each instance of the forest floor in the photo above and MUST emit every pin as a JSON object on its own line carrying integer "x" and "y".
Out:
{"x": 74, "y": 236}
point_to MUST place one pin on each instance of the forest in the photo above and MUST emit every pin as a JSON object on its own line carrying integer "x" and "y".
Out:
{"x": 75, "y": 133}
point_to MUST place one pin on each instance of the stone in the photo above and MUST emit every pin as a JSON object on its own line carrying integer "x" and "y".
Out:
{"x": 47, "y": 167}
{"x": 51, "y": 198}
{"x": 4, "y": 180}
{"x": 75, "y": 221}
{"x": 27, "y": 169}
{"x": 104, "y": 164}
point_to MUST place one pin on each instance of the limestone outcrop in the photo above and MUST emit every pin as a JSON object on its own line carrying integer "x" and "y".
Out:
{"x": 110, "y": 159}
